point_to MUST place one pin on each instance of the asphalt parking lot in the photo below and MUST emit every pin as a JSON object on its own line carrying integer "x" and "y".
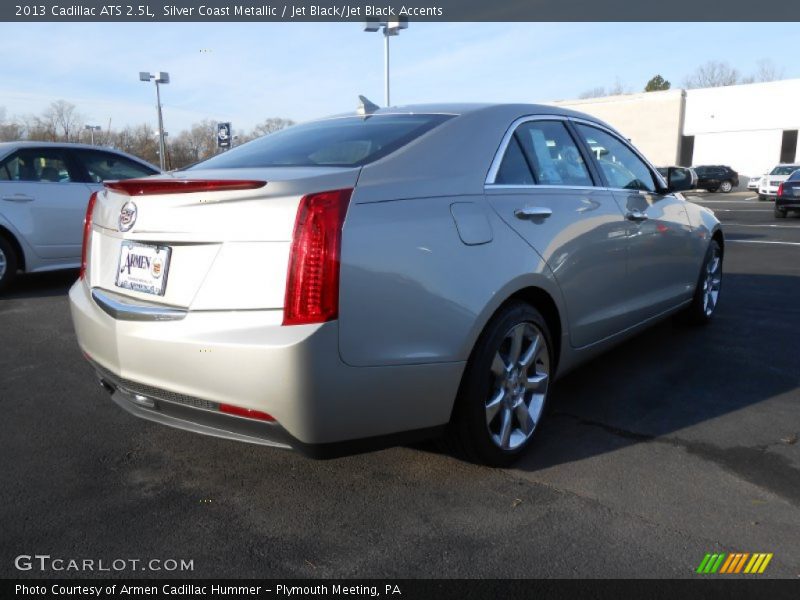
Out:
{"x": 678, "y": 443}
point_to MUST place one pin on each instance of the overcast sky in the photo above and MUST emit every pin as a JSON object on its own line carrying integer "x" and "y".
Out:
{"x": 245, "y": 73}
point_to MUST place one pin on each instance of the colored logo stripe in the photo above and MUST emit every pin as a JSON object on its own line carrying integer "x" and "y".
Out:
{"x": 734, "y": 563}
{"x": 711, "y": 563}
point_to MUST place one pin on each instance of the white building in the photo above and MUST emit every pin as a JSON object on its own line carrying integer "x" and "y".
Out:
{"x": 749, "y": 127}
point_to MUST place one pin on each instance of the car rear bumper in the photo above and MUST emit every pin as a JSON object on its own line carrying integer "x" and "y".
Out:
{"x": 787, "y": 203}
{"x": 183, "y": 369}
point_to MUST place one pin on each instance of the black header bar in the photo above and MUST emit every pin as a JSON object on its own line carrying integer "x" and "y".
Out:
{"x": 415, "y": 10}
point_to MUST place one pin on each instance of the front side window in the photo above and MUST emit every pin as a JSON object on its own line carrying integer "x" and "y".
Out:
{"x": 43, "y": 165}
{"x": 543, "y": 153}
{"x": 342, "y": 142}
{"x": 102, "y": 166}
{"x": 621, "y": 166}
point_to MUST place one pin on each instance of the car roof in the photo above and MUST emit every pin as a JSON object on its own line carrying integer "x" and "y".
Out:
{"x": 8, "y": 147}
{"x": 464, "y": 108}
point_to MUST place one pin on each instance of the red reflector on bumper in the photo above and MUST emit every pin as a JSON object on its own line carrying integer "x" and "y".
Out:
{"x": 245, "y": 412}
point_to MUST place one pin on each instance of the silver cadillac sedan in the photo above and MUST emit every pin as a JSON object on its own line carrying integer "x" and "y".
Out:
{"x": 387, "y": 274}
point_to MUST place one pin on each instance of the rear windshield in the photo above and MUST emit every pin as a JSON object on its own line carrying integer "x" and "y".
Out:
{"x": 785, "y": 170}
{"x": 795, "y": 176}
{"x": 341, "y": 142}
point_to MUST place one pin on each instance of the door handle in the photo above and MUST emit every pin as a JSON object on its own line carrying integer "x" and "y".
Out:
{"x": 533, "y": 212}
{"x": 18, "y": 198}
{"x": 636, "y": 215}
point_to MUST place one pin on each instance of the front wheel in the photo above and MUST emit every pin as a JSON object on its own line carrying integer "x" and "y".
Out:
{"x": 706, "y": 295}
{"x": 504, "y": 389}
{"x": 725, "y": 187}
{"x": 761, "y": 198}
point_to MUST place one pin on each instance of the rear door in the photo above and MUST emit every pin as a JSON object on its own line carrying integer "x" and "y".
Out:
{"x": 42, "y": 195}
{"x": 543, "y": 187}
{"x": 662, "y": 263}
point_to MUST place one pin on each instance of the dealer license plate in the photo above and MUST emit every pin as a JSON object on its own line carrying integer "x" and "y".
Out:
{"x": 143, "y": 267}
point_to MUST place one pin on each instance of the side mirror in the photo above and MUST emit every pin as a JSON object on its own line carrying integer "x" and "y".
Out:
{"x": 680, "y": 179}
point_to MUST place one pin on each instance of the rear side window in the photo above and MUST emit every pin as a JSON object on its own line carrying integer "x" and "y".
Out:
{"x": 621, "y": 166}
{"x": 104, "y": 165}
{"x": 342, "y": 142}
{"x": 543, "y": 153}
{"x": 36, "y": 165}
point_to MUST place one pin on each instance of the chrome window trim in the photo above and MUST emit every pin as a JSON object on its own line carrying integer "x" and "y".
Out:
{"x": 505, "y": 186}
{"x": 501, "y": 152}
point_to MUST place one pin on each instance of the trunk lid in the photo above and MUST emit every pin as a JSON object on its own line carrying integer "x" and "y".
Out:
{"x": 219, "y": 250}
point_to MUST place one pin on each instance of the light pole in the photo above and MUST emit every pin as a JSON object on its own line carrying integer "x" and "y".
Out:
{"x": 390, "y": 28}
{"x": 93, "y": 128}
{"x": 160, "y": 77}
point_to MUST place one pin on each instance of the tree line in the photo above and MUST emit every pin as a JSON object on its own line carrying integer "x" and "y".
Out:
{"x": 62, "y": 122}
{"x": 714, "y": 73}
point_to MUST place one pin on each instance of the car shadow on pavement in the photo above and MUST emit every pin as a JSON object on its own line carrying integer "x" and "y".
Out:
{"x": 671, "y": 378}
{"x": 41, "y": 285}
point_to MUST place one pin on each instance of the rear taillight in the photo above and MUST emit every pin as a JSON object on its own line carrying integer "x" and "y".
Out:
{"x": 87, "y": 234}
{"x": 780, "y": 190}
{"x": 312, "y": 282}
{"x": 147, "y": 187}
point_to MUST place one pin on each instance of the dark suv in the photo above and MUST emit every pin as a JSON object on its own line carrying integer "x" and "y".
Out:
{"x": 716, "y": 178}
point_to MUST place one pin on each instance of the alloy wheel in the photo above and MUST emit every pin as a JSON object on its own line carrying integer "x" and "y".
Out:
{"x": 712, "y": 281}
{"x": 3, "y": 264}
{"x": 521, "y": 375}
{"x": 726, "y": 187}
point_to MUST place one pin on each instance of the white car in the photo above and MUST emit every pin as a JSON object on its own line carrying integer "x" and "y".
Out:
{"x": 753, "y": 182}
{"x": 768, "y": 186}
{"x": 44, "y": 189}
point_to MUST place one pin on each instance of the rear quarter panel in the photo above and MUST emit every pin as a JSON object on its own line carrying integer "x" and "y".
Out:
{"x": 413, "y": 292}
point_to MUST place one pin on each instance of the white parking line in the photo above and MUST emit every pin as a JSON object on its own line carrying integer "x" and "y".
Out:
{"x": 745, "y": 201}
{"x": 762, "y": 242}
{"x": 742, "y": 210}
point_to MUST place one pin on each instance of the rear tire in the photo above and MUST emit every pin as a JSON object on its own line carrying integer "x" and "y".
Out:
{"x": 8, "y": 263}
{"x": 779, "y": 213}
{"x": 709, "y": 284}
{"x": 504, "y": 390}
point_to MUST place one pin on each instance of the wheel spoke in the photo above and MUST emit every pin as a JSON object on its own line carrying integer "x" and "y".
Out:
{"x": 526, "y": 423}
{"x": 537, "y": 383}
{"x": 516, "y": 344}
{"x": 527, "y": 359}
{"x": 505, "y": 430}
{"x": 494, "y": 405}
{"x": 499, "y": 366}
